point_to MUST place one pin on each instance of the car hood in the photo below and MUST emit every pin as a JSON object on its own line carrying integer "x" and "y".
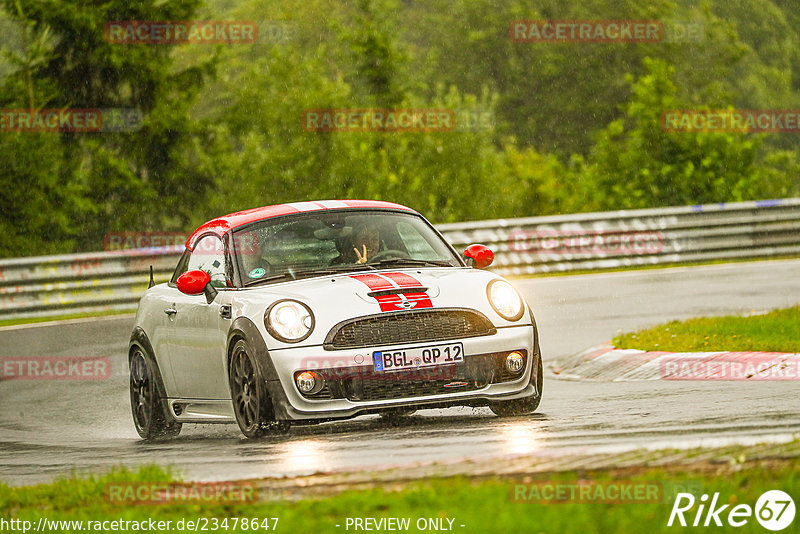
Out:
{"x": 337, "y": 298}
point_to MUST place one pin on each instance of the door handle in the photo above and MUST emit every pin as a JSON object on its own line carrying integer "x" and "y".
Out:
{"x": 170, "y": 311}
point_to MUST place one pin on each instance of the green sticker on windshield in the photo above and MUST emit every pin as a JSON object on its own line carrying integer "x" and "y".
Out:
{"x": 257, "y": 273}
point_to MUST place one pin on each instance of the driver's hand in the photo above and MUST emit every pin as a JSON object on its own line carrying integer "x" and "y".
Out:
{"x": 361, "y": 259}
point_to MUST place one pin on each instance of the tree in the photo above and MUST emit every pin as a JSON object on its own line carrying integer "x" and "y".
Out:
{"x": 117, "y": 181}
{"x": 637, "y": 164}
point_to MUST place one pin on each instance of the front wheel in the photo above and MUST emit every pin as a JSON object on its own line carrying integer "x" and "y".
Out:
{"x": 524, "y": 406}
{"x": 149, "y": 411}
{"x": 251, "y": 401}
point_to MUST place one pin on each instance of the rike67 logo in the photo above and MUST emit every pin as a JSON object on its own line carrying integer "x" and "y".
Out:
{"x": 774, "y": 510}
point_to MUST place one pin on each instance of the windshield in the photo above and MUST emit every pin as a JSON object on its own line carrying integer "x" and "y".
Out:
{"x": 322, "y": 242}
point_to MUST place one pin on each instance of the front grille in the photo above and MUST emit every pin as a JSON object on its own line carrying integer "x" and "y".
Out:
{"x": 364, "y": 384}
{"x": 408, "y": 327}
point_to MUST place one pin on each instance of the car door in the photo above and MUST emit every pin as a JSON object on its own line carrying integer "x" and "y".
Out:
{"x": 159, "y": 324}
{"x": 199, "y": 330}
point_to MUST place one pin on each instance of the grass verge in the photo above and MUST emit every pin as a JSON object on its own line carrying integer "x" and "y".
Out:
{"x": 481, "y": 505}
{"x": 776, "y": 331}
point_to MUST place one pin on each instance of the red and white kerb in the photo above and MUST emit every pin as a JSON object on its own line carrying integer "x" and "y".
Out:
{"x": 408, "y": 291}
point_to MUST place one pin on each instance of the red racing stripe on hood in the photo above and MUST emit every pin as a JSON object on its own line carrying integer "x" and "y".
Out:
{"x": 373, "y": 281}
{"x": 395, "y": 302}
{"x": 402, "y": 279}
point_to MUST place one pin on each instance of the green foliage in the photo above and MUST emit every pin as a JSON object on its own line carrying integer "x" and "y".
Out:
{"x": 80, "y": 186}
{"x": 576, "y": 124}
{"x": 636, "y": 164}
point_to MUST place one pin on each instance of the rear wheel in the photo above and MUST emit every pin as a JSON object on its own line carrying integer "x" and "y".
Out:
{"x": 524, "y": 406}
{"x": 147, "y": 406}
{"x": 251, "y": 401}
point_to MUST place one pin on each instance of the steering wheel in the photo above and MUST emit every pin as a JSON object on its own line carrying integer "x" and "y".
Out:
{"x": 385, "y": 254}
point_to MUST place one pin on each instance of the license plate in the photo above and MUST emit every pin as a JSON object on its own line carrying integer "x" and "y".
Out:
{"x": 418, "y": 357}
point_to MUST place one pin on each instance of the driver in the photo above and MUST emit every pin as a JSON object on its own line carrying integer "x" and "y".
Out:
{"x": 360, "y": 246}
{"x": 366, "y": 242}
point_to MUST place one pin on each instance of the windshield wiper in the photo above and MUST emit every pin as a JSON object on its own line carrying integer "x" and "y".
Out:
{"x": 412, "y": 261}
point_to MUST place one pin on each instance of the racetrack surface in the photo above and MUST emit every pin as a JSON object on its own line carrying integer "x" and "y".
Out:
{"x": 48, "y": 428}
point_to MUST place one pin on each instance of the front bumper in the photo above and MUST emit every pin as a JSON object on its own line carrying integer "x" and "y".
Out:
{"x": 359, "y": 362}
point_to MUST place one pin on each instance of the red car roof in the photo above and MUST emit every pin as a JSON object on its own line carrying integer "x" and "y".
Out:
{"x": 222, "y": 225}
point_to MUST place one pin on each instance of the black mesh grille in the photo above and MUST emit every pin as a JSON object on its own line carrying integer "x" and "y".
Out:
{"x": 408, "y": 327}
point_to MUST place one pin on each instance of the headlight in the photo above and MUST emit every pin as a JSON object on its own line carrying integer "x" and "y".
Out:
{"x": 505, "y": 300}
{"x": 289, "y": 321}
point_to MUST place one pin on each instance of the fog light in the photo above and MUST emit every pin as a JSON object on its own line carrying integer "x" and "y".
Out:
{"x": 515, "y": 361}
{"x": 308, "y": 382}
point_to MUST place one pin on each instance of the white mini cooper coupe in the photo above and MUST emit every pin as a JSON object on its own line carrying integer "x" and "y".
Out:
{"x": 316, "y": 311}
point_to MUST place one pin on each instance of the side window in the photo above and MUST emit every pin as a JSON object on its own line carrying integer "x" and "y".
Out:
{"x": 209, "y": 256}
{"x": 181, "y": 268}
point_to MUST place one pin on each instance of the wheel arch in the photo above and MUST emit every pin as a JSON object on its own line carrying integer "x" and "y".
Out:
{"x": 139, "y": 339}
{"x": 244, "y": 329}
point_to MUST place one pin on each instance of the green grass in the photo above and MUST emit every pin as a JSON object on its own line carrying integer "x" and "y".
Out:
{"x": 776, "y": 331}
{"x": 63, "y": 317}
{"x": 481, "y": 505}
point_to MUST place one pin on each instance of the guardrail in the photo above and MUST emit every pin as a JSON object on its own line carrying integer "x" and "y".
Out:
{"x": 115, "y": 280}
{"x": 589, "y": 241}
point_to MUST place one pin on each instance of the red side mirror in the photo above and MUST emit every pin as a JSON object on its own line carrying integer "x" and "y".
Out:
{"x": 480, "y": 254}
{"x": 193, "y": 282}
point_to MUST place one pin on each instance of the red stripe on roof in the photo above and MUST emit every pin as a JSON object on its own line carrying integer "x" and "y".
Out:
{"x": 222, "y": 225}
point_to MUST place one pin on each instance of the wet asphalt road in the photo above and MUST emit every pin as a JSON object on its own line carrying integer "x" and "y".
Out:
{"x": 51, "y": 427}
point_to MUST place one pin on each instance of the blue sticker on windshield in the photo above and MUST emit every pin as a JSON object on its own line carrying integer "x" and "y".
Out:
{"x": 257, "y": 273}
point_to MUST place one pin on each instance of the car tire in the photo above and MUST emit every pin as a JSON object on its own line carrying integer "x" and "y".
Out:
{"x": 252, "y": 404}
{"x": 524, "y": 406}
{"x": 149, "y": 411}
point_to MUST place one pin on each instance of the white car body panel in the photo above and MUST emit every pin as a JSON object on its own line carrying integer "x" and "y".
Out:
{"x": 191, "y": 344}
